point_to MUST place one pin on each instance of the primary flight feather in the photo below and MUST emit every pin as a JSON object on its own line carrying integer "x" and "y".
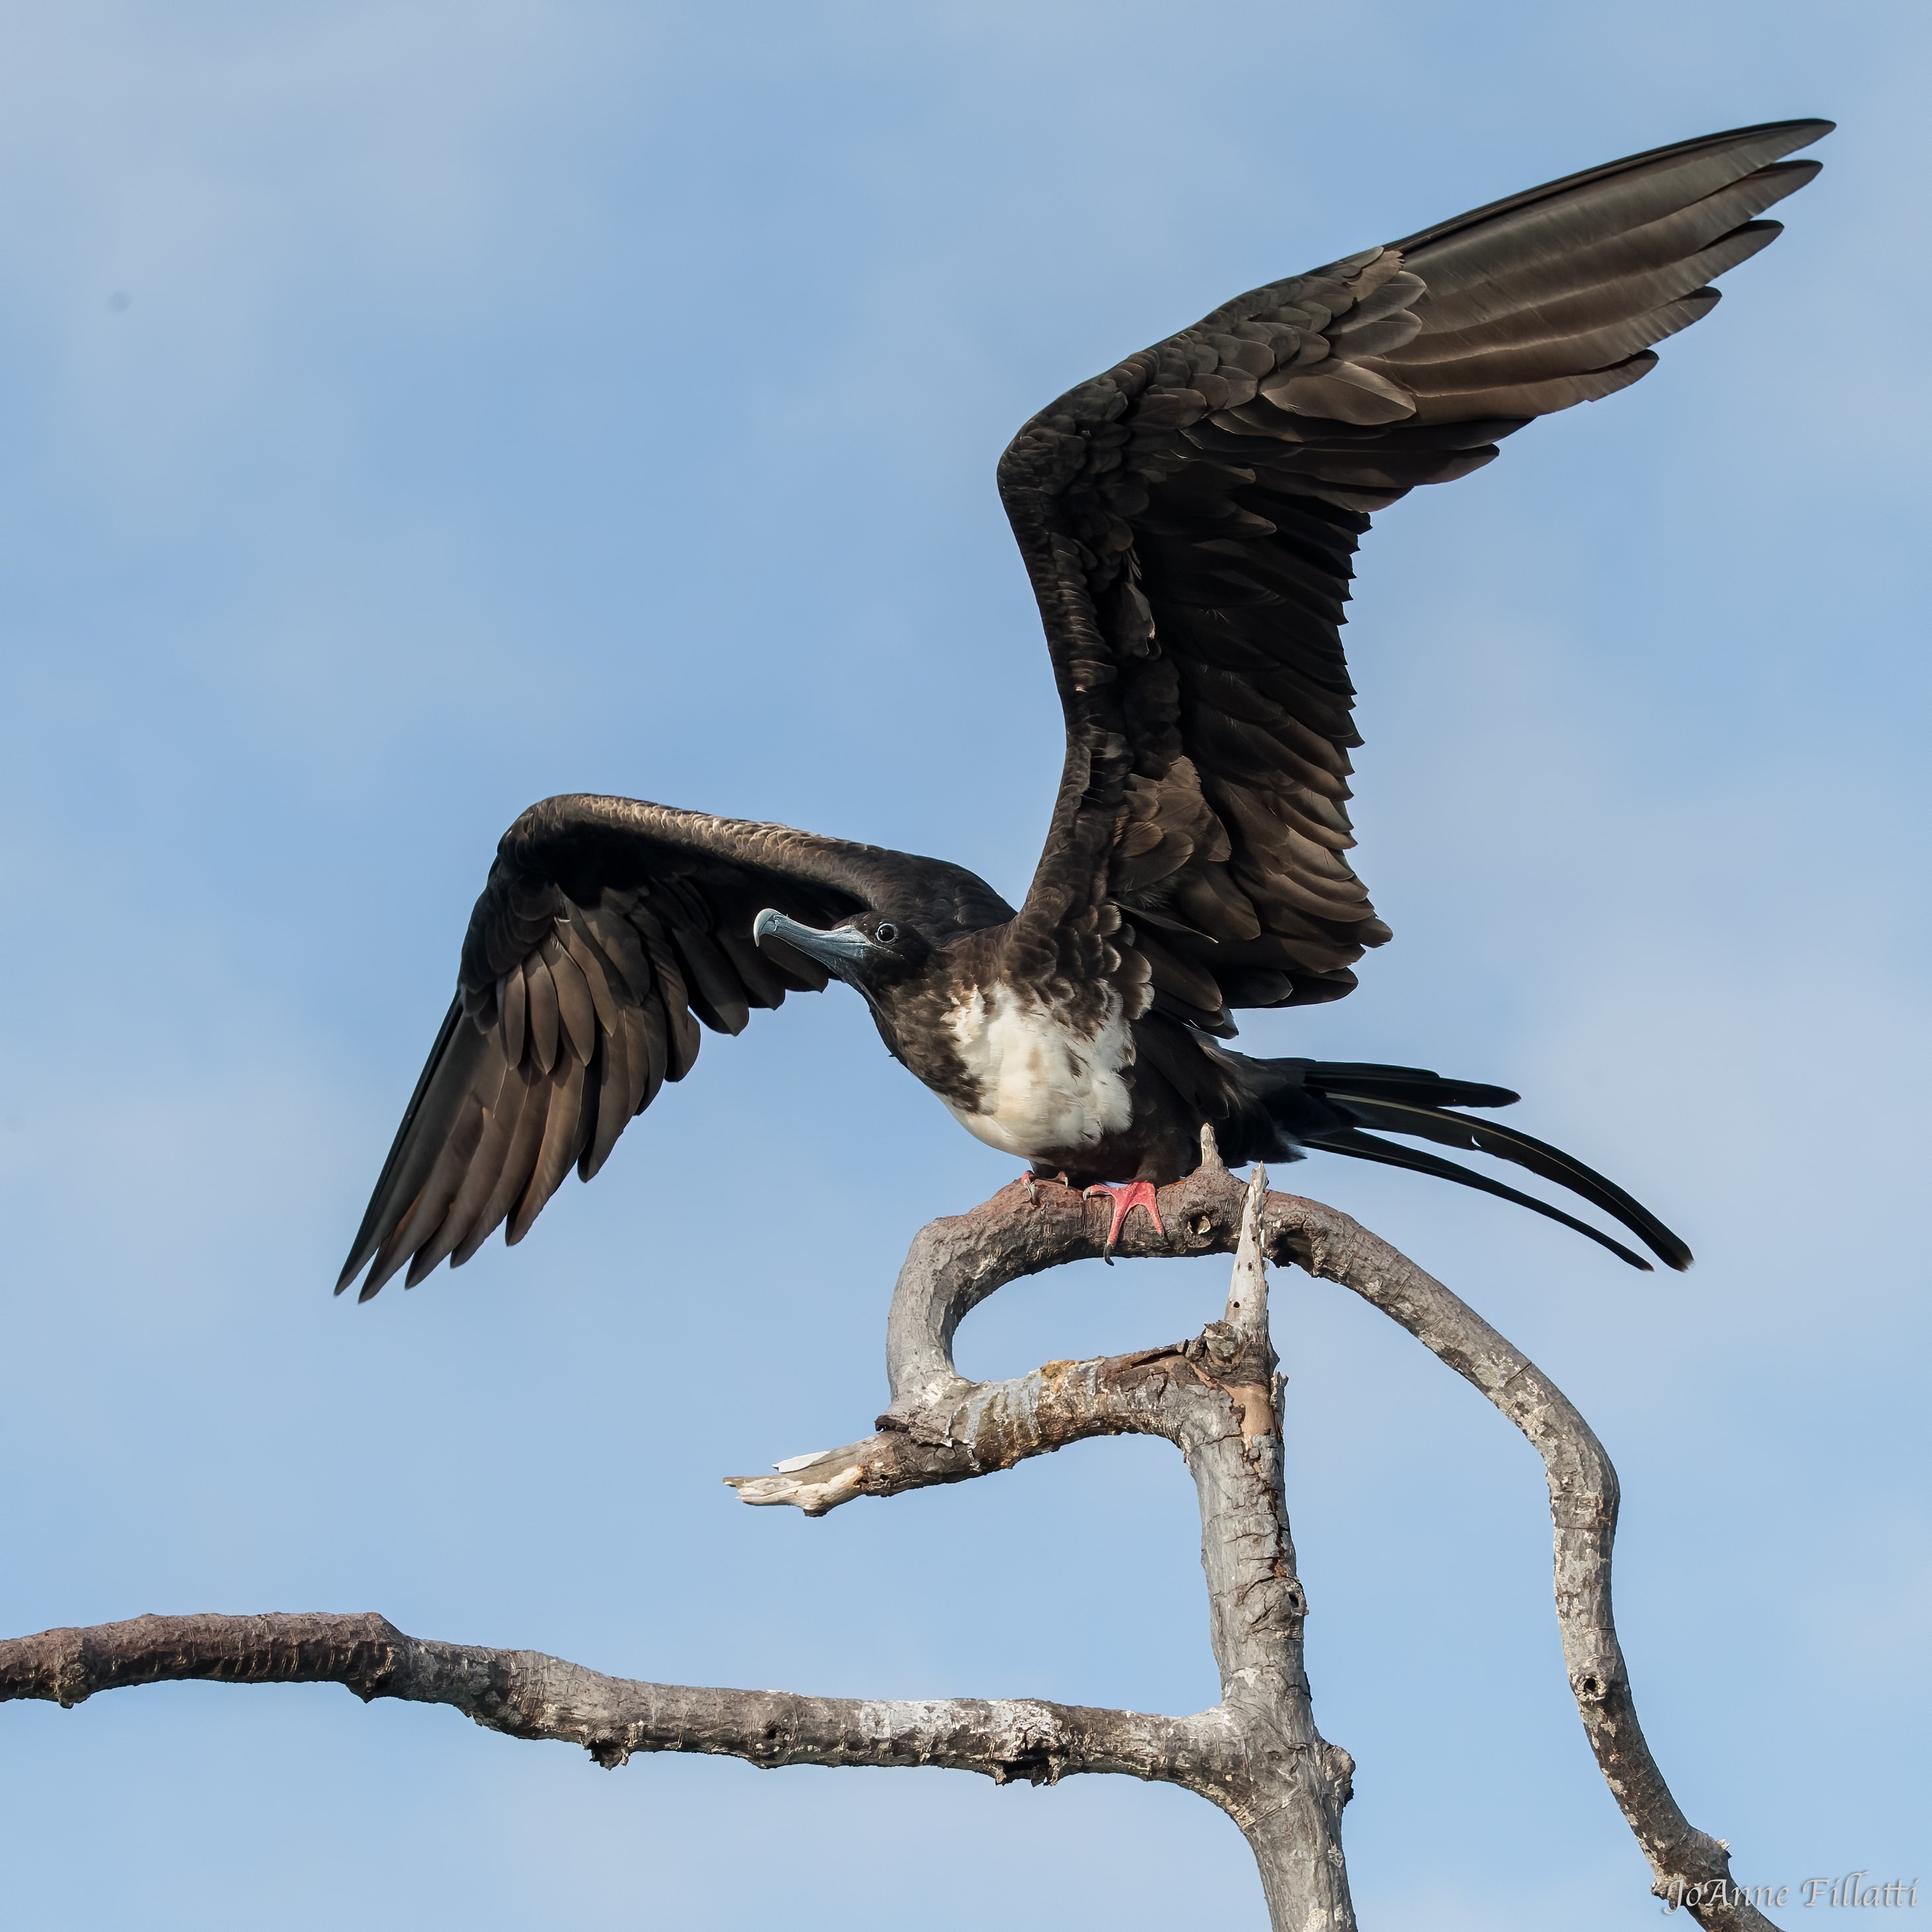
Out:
{"x": 1188, "y": 520}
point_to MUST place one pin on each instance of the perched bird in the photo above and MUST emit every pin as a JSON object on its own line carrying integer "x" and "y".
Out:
{"x": 1187, "y": 520}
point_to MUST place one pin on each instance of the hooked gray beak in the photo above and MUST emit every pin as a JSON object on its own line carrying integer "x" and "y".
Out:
{"x": 843, "y": 946}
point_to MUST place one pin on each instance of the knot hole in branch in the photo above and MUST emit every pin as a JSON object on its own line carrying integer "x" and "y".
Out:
{"x": 1592, "y": 1688}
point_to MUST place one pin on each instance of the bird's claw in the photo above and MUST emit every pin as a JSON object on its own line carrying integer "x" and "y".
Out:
{"x": 1134, "y": 1194}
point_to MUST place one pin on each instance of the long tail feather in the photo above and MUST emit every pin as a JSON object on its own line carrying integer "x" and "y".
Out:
{"x": 1361, "y": 1146}
{"x": 1414, "y": 1084}
{"x": 1549, "y": 1163}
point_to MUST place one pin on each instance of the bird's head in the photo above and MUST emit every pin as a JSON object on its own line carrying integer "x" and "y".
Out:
{"x": 868, "y": 951}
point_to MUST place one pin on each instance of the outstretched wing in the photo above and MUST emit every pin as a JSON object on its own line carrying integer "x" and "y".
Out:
{"x": 609, "y": 928}
{"x": 1188, "y": 520}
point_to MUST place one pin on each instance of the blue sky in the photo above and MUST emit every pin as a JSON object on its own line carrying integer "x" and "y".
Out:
{"x": 412, "y": 410}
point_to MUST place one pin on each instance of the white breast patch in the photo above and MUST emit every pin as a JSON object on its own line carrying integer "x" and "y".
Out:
{"x": 1041, "y": 1088}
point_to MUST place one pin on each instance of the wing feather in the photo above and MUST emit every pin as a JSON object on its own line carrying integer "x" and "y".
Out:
{"x": 589, "y": 960}
{"x": 716, "y": 994}
{"x": 486, "y": 1163}
{"x": 526, "y": 1098}
{"x": 1189, "y": 520}
{"x": 608, "y": 930}
{"x": 431, "y": 1204}
{"x": 557, "y": 1149}
{"x": 576, "y": 1012}
{"x": 617, "y": 1102}
{"x": 540, "y": 990}
{"x": 514, "y": 999}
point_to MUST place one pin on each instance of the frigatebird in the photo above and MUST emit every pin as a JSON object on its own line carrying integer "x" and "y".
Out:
{"x": 1187, "y": 520}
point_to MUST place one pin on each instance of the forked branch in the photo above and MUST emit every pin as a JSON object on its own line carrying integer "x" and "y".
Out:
{"x": 941, "y": 1428}
{"x": 1256, "y": 1754}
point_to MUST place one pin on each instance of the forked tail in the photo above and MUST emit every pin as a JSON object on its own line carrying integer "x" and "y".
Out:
{"x": 1331, "y": 1104}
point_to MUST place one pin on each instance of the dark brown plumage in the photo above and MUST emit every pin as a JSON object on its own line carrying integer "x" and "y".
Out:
{"x": 1188, "y": 520}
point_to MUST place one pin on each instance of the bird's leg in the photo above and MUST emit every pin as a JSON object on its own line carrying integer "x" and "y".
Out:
{"x": 1134, "y": 1194}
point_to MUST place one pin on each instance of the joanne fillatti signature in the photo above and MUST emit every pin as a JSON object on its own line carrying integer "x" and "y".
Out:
{"x": 1850, "y": 1889}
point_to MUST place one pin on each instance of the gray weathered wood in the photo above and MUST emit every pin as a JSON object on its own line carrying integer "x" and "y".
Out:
{"x": 1257, "y": 1754}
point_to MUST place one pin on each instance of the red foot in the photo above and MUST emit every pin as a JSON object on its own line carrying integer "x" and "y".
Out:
{"x": 1134, "y": 1194}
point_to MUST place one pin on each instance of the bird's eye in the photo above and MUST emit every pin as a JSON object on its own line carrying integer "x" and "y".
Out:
{"x": 885, "y": 932}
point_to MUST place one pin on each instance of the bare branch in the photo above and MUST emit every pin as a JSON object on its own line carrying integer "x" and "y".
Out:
{"x": 941, "y": 1427}
{"x": 1214, "y": 1397}
{"x": 524, "y": 1693}
{"x": 1257, "y": 1755}
{"x": 1686, "y": 1865}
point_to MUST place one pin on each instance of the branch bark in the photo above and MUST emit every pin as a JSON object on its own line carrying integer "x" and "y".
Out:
{"x": 941, "y": 1428}
{"x": 524, "y": 1693}
{"x": 1257, "y": 1754}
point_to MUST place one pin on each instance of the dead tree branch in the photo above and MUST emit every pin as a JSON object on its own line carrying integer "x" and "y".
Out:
{"x": 941, "y": 1428}
{"x": 1213, "y": 1397}
{"x": 1257, "y": 1754}
{"x": 525, "y": 1694}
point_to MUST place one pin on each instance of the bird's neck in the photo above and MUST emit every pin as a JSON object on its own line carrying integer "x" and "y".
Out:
{"x": 915, "y": 1016}
{"x": 958, "y": 1025}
